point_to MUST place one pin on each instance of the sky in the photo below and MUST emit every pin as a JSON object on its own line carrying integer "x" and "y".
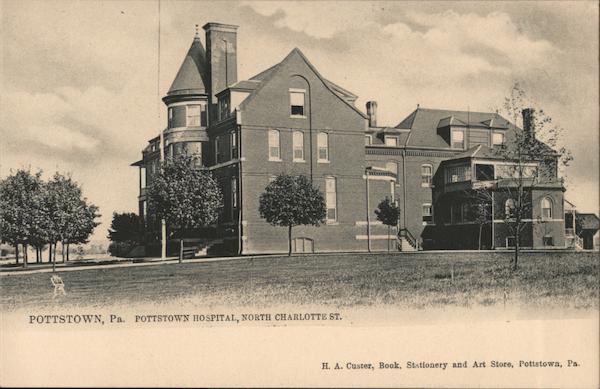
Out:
{"x": 82, "y": 80}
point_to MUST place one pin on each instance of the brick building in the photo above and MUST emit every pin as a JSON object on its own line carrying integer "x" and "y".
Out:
{"x": 291, "y": 119}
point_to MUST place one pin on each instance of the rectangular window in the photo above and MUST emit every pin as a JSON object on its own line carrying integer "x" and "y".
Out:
{"x": 427, "y": 213}
{"x": 233, "y": 143}
{"x": 458, "y": 174}
{"x": 144, "y": 210}
{"x": 368, "y": 140}
{"x": 331, "y": 199}
{"x": 193, "y": 115}
{"x": 391, "y": 141}
{"x": 224, "y": 107}
{"x": 274, "y": 154}
{"x": 548, "y": 241}
{"x": 142, "y": 177}
{"x": 322, "y": 147}
{"x": 170, "y": 117}
{"x": 458, "y": 139}
{"x": 426, "y": 174}
{"x": 510, "y": 241}
{"x": 298, "y": 145}
{"x": 297, "y": 102}
{"x": 234, "y": 193}
{"x": 497, "y": 138}
{"x": 484, "y": 172}
{"x": 217, "y": 151}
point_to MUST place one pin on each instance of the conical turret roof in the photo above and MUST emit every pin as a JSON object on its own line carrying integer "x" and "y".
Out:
{"x": 191, "y": 75}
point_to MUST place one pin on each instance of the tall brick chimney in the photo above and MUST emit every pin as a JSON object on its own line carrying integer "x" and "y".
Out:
{"x": 372, "y": 113}
{"x": 529, "y": 121}
{"x": 221, "y": 59}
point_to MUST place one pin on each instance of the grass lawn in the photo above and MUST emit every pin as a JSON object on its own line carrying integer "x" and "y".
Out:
{"x": 412, "y": 281}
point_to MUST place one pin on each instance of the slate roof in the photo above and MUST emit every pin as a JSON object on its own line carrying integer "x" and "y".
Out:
{"x": 424, "y": 122}
{"x": 190, "y": 78}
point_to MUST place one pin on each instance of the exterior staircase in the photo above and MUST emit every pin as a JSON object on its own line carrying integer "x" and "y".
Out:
{"x": 406, "y": 241}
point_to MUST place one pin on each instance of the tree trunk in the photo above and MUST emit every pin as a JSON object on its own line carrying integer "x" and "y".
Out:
{"x": 17, "y": 253}
{"x": 25, "y": 257}
{"x": 49, "y": 252}
{"x": 480, "y": 229}
{"x": 68, "y": 245}
{"x": 53, "y": 257}
{"x": 388, "y": 239}
{"x": 290, "y": 240}
{"x": 516, "y": 258}
{"x": 62, "y": 251}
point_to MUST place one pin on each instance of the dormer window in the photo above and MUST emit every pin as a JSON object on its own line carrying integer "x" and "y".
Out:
{"x": 458, "y": 139}
{"x": 297, "y": 102}
{"x": 497, "y": 138}
{"x": 391, "y": 141}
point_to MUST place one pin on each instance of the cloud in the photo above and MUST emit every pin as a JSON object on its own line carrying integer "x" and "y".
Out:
{"x": 36, "y": 118}
{"x": 316, "y": 19}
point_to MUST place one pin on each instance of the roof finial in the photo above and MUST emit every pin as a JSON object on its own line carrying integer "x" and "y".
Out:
{"x": 418, "y": 105}
{"x": 197, "y": 36}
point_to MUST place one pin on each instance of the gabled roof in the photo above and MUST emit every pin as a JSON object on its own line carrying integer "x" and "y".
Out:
{"x": 450, "y": 121}
{"x": 264, "y": 76}
{"x": 190, "y": 78}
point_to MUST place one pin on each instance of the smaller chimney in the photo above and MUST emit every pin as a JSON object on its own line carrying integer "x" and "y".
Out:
{"x": 529, "y": 121}
{"x": 372, "y": 113}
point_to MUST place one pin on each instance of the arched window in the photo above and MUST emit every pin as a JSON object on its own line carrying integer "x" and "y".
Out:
{"x": 298, "y": 145}
{"x": 426, "y": 174}
{"x": 509, "y": 208}
{"x": 322, "y": 147}
{"x": 546, "y": 208}
{"x": 274, "y": 154}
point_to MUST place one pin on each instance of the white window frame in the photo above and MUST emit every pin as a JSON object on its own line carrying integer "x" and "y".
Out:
{"x": 551, "y": 207}
{"x": 170, "y": 117}
{"x": 334, "y": 200}
{"x": 297, "y": 92}
{"x": 320, "y": 147}
{"x": 428, "y": 176}
{"x": 368, "y": 140}
{"x": 457, "y": 131}
{"x": 188, "y": 117}
{"x": 274, "y": 141}
{"x": 143, "y": 183}
{"x": 496, "y": 133}
{"x": 298, "y": 145}
{"x": 388, "y": 137}
{"x": 233, "y": 144}
{"x": 430, "y": 213}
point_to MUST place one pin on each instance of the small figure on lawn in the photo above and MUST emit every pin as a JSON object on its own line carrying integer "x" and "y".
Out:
{"x": 59, "y": 286}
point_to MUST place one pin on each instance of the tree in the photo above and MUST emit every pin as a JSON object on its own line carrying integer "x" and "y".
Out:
{"x": 388, "y": 213}
{"x": 125, "y": 232}
{"x": 186, "y": 196}
{"x": 70, "y": 219}
{"x": 532, "y": 159}
{"x": 83, "y": 223}
{"x": 291, "y": 201}
{"x": 19, "y": 209}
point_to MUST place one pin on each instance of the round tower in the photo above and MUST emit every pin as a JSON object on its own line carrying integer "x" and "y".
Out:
{"x": 186, "y": 103}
